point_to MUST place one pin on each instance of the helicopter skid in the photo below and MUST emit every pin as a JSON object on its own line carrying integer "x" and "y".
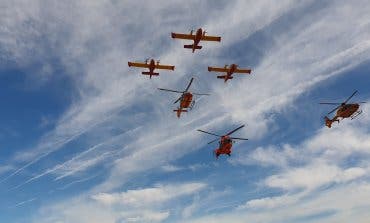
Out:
{"x": 357, "y": 113}
{"x": 191, "y": 105}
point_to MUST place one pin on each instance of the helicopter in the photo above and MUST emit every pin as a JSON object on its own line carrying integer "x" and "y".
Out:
{"x": 225, "y": 141}
{"x": 186, "y": 99}
{"x": 344, "y": 110}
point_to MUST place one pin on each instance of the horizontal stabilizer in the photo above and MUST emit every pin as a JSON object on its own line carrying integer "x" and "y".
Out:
{"x": 191, "y": 47}
{"x": 182, "y": 110}
{"x": 150, "y": 73}
{"x": 223, "y": 76}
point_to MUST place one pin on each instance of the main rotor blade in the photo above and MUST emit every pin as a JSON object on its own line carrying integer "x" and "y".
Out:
{"x": 213, "y": 141}
{"x": 334, "y": 109}
{"x": 191, "y": 81}
{"x": 350, "y": 97}
{"x": 200, "y": 94}
{"x": 178, "y": 99}
{"x": 329, "y": 103}
{"x": 208, "y": 133}
{"x": 231, "y": 132}
{"x": 163, "y": 89}
{"x": 238, "y": 138}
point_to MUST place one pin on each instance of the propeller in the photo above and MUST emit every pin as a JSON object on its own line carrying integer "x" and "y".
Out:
{"x": 350, "y": 97}
{"x": 164, "y": 89}
{"x": 204, "y": 33}
{"x": 212, "y": 141}
{"x": 238, "y": 138}
{"x": 181, "y": 92}
{"x": 178, "y": 99}
{"x": 200, "y": 94}
{"x": 158, "y": 61}
{"x": 231, "y": 132}
{"x": 210, "y": 133}
{"x": 191, "y": 81}
{"x": 226, "y": 65}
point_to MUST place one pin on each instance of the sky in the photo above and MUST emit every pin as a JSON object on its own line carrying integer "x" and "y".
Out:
{"x": 86, "y": 139}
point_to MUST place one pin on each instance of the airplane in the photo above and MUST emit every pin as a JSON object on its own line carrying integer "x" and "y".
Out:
{"x": 151, "y": 66}
{"x": 225, "y": 142}
{"x": 344, "y": 110}
{"x": 186, "y": 99}
{"x": 200, "y": 35}
{"x": 230, "y": 70}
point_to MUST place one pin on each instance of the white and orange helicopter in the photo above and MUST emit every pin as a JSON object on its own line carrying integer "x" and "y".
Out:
{"x": 344, "y": 110}
{"x": 186, "y": 99}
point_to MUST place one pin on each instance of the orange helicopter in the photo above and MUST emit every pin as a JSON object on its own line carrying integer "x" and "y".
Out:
{"x": 225, "y": 142}
{"x": 344, "y": 110}
{"x": 151, "y": 66}
{"x": 200, "y": 35}
{"x": 186, "y": 99}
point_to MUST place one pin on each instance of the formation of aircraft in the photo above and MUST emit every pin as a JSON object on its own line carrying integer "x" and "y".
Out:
{"x": 186, "y": 101}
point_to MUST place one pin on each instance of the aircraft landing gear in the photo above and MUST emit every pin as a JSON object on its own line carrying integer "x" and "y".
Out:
{"x": 357, "y": 113}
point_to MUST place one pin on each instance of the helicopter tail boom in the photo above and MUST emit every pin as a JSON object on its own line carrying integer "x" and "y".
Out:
{"x": 328, "y": 122}
{"x": 178, "y": 112}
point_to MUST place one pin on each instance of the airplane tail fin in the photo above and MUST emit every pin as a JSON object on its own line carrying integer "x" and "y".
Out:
{"x": 178, "y": 112}
{"x": 328, "y": 121}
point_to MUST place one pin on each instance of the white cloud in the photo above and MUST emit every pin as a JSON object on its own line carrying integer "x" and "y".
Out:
{"x": 97, "y": 38}
{"x": 312, "y": 176}
{"x": 271, "y": 202}
{"x": 139, "y": 205}
{"x": 149, "y": 196}
{"x": 344, "y": 203}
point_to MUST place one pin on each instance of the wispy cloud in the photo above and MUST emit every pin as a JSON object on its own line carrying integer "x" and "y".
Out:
{"x": 94, "y": 42}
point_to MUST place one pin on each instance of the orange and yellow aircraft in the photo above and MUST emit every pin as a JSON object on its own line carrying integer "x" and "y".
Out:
{"x": 233, "y": 68}
{"x": 200, "y": 35}
{"x": 151, "y": 66}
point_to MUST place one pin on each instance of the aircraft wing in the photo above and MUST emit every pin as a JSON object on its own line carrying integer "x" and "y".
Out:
{"x": 218, "y": 69}
{"x": 182, "y": 36}
{"x": 131, "y": 64}
{"x": 243, "y": 71}
{"x": 211, "y": 38}
{"x": 165, "y": 67}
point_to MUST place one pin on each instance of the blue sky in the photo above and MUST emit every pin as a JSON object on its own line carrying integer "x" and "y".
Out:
{"x": 84, "y": 138}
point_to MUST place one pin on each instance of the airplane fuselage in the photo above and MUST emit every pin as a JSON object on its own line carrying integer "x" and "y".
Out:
{"x": 198, "y": 37}
{"x": 151, "y": 65}
{"x": 230, "y": 72}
